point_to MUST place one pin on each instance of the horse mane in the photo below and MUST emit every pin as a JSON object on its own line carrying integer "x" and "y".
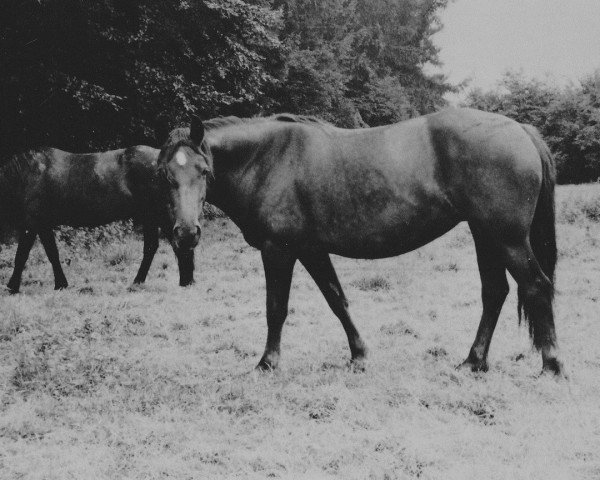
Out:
{"x": 220, "y": 122}
{"x": 290, "y": 117}
{"x": 181, "y": 135}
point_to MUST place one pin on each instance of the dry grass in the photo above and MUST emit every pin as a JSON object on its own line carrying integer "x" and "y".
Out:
{"x": 101, "y": 382}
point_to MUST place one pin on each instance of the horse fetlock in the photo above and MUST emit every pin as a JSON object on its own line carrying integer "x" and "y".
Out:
{"x": 474, "y": 365}
{"x": 359, "y": 350}
{"x": 268, "y": 362}
{"x": 13, "y": 286}
{"x": 475, "y": 362}
{"x": 553, "y": 366}
{"x": 186, "y": 282}
{"x": 358, "y": 364}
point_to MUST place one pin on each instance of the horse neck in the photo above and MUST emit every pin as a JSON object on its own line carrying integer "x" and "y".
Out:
{"x": 233, "y": 150}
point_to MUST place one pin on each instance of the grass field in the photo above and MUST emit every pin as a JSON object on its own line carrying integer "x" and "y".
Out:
{"x": 101, "y": 381}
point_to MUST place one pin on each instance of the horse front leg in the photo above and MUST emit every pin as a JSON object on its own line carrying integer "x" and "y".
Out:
{"x": 279, "y": 266}
{"x": 185, "y": 260}
{"x": 26, "y": 239}
{"x": 49, "y": 244}
{"x": 150, "y": 248}
{"x": 320, "y": 268}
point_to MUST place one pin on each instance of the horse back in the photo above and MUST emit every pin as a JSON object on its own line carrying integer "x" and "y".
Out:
{"x": 88, "y": 189}
{"x": 139, "y": 164}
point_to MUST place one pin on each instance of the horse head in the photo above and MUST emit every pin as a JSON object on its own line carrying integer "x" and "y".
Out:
{"x": 184, "y": 166}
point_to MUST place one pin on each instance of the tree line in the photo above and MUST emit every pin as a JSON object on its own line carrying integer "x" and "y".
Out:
{"x": 83, "y": 75}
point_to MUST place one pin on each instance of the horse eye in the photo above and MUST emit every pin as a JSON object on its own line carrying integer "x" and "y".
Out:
{"x": 202, "y": 170}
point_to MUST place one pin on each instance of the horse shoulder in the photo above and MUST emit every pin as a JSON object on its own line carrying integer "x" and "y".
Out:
{"x": 46, "y": 166}
{"x": 275, "y": 201}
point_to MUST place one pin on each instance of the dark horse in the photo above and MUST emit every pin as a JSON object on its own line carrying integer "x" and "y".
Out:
{"x": 43, "y": 188}
{"x": 300, "y": 189}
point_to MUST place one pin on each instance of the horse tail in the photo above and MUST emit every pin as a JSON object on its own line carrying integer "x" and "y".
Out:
{"x": 542, "y": 235}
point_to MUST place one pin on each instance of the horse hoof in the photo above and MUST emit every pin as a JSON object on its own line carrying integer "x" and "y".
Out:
{"x": 12, "y": 290}
{"x": 264, "y": 367}
{"x": 554, "y": 366}
{"x": 267, "y": 364}
{"x": 61, "y": 286}
{"x": 135, "y": 287}
{"x": 358, "y": 364}
{"x": 477, "y": 366}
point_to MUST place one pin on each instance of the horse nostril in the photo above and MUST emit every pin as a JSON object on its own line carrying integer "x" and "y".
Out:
{"x": 198, "y": 232}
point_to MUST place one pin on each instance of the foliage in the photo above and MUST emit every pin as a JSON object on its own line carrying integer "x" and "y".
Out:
{"x": 358, "y": 56}
{"x": 86, "y": 238}
{"x": 568, "y": 117}
{"x": 84, "y": 75}
{"x": 89, "y": 75}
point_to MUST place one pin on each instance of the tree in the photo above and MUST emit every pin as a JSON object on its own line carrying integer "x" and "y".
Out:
{"x": 80, "y": 75}
{"x": 569, "y": 119}
{"x": 361, "y": 56}
{"x": 83, "y": 75}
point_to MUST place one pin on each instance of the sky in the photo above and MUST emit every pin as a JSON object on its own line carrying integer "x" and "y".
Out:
{"x": 481, "y": 39}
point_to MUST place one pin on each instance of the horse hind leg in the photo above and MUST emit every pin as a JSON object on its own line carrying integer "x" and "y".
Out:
{"x": 49, "y": 244}
{"x": 494, "y": 289}
{"x": 535, "y": 297}
{"x": 26, "y": 239}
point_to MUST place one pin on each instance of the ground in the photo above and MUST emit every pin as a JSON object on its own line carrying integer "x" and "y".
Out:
{"x": 104, "y": 381}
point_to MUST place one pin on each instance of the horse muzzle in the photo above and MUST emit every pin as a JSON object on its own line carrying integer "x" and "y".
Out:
{"x": 186, "y": 238}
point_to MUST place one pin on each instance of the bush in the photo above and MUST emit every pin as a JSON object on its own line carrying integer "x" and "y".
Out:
{"x": 86, "y": 237}
{"x": 568, "y": 118}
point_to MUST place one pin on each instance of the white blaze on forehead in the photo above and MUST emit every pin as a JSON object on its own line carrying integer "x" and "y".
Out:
{"x": 181, "y": 158}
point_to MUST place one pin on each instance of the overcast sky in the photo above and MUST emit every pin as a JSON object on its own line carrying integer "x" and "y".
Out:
{"x": 483, "y": 38}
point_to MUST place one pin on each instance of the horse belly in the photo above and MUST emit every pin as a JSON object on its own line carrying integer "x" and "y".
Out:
{"x": 93, "y": 209}
{"x": 386, "y": 211}
{"x": 382, "y": 238}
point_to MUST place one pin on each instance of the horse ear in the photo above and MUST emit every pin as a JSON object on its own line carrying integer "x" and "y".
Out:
{"x": 197, "y": 131}
{"x": 162, "y": 131}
